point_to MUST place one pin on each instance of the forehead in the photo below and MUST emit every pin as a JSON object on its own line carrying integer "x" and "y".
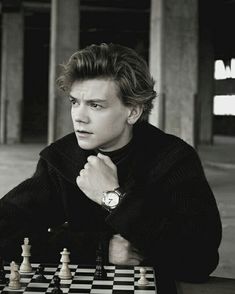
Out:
{"x": 94, "y": 88}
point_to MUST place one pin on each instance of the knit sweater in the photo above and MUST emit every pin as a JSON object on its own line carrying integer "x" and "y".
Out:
{"x": 169, "y": 212}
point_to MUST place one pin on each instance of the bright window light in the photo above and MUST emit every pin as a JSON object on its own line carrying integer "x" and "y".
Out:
{"x": 224, "y": 72}
{"x": 224, "y": 105}
{"x": 233, "y": 68}
{"x": 220, "y": 72}
{"x": 228, "y": 72}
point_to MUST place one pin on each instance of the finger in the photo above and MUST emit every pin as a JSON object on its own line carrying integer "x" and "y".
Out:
{"x": 133, "y": 261}
{"x": 135, "y": 250}
{"x": 82, "y": 171}
{"x": 78, "y": 180}
{"x": 106, "y": 159}
{"x": 86, "y": 166}
{"x": 135, "y": 256}
{"x": 91, "y": 159}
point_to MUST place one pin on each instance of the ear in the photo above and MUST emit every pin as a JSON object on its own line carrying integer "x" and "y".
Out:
{"x": 135, "y": 112}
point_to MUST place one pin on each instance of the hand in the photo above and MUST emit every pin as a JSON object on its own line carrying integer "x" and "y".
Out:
{"x": 121, "y": 252}
{"x": 98, "y": 175}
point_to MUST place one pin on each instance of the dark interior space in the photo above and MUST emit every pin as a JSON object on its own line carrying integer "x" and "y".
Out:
{"x": 100, "y": 22}
{"x": 123, "y": 22}
{"x": 118, "y": 21}
{"x": 36, "y": 60}
{"x": 218, "y": 16}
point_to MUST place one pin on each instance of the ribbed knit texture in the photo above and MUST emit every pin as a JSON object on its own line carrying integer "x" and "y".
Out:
{"x": 169, "y": 212}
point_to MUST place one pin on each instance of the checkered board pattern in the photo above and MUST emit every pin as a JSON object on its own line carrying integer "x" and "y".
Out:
{"x": 120, "y": 280}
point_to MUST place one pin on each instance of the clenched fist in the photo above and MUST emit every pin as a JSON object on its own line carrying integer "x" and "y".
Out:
{"x": 121, "y": 252}
{"x": 98, "y": 175}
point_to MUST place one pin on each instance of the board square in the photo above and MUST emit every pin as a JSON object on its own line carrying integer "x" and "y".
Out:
{"x": 120, "y": 280}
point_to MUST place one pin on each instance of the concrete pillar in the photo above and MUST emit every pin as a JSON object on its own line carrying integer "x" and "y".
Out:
{"x": 174, "y": 65}
{"x": 206, "y": 80}
{"x": 11, "y": 76}
{"x": 64, "y": 42}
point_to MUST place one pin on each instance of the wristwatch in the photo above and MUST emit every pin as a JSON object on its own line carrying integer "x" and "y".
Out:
{"x": 111, "y": 199}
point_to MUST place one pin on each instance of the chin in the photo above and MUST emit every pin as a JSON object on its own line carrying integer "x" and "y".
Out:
{"x": 86, "y": 146}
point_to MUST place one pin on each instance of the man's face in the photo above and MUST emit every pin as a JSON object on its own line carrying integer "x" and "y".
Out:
{"x": 99, "y": 117}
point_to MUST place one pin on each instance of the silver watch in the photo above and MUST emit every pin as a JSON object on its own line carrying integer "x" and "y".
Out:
{"x": 111, "y": 199}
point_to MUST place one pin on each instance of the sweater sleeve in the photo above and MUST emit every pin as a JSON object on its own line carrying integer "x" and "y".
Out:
{"x": 27, "y": 210}
{"x": 174, "y": 218}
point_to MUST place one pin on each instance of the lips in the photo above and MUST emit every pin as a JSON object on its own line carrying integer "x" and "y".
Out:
{"x": 83, "y": 132}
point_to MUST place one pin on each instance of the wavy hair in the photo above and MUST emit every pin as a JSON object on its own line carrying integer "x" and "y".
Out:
{"x": 118, "y": 63}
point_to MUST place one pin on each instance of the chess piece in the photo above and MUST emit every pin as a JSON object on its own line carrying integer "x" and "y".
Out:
{"x": 25, "y": 266}
{"x": 56, "y": 289}
{"x": 65, "y": 273}
{"x": 3, "y": 279}
{"x": 142, "y": 280}
{"x": 100, "y": 272}
{"x": 40, "y": 272}
{"x": 14, "y": 279}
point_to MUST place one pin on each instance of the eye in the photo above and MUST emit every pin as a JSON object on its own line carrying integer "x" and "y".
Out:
{"x": 95, "y": 105}
{"x": 72, "y": 101}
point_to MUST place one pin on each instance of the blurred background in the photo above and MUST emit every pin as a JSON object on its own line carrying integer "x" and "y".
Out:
{"x": 190, "y": 49}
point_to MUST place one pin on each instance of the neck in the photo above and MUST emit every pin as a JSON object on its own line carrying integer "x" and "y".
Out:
{"x": 119, "y": 154}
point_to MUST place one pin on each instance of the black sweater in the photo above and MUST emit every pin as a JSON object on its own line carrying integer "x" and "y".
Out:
{"x": 169, "y": 212}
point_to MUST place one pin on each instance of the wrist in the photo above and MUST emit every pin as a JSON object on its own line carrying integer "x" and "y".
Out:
{"x": 112, "y": 198}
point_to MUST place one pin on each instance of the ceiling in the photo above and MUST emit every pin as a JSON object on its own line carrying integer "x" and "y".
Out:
{"x": 215, "y": 15}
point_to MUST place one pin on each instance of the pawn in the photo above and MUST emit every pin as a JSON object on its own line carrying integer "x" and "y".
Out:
{"x": 142, "y": 280}
{"x": 56, "y": 289}
{"x": 14, "y": 279}
{"x": 40, "y": 272}
{"x": 65, "y": 273}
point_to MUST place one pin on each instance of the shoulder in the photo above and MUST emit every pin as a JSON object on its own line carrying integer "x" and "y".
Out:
{"x": 61, "y": 147}
{"x": 156, "y": 141}
{"x": 160, "y": 152}
{"x": 65, "y": 156}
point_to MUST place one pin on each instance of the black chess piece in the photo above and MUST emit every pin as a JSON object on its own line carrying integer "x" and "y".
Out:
{"x": 100, "y": 272}
{"x": 56, "y": 289}
{"x": 40, "y": 273}
{"x": 3, "y": 279}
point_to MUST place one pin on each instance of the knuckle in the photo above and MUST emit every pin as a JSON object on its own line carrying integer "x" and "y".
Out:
{"x": 82, "y": 172}
{"x": 91, "y": 158}
{"x": 79, "y": 181}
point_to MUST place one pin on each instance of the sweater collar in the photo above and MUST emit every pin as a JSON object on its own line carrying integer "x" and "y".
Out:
{"x": 68, "y": 158}
{"x": 119, "y": 155}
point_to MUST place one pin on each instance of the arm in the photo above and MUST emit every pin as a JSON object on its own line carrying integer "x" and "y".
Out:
{"x": 26, "y": 210}
{"x": 173, "y": 218}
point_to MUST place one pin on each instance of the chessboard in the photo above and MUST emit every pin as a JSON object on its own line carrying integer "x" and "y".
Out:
{"x": 120, "y": 280}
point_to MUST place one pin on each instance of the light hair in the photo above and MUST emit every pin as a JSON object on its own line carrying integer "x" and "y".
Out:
{"x": 118, "y": 63}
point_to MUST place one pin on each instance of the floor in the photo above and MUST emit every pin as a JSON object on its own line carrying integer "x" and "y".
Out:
{"x": 18, "y": 162}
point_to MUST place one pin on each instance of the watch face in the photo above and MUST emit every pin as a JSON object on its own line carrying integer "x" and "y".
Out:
{"x": 111, "y": 199}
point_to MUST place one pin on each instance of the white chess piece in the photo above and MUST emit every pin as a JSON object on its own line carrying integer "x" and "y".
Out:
{"x": 65, "y": 273}
{"x": 25, "y": 266}
{"x": 14, "y": 278}
{"x": 142, "y": 280}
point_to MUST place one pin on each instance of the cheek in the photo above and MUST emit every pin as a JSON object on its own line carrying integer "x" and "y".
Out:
{"x": 72, "y": 114}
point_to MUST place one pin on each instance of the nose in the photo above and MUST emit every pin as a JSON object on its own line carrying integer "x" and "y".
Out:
{"x": 80, "y": 114}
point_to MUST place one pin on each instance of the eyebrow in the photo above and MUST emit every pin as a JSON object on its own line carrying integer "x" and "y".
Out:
{"x": 90, "y": 100}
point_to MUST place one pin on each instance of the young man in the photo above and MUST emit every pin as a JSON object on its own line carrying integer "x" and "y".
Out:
{"x": 115, "y": 176}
